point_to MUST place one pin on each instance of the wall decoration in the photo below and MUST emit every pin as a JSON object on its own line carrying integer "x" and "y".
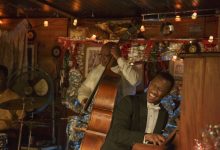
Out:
{"x": 166, "y": 28}
{"x": 31, "y": 35}
{"x": 192, "y": 47}
{"x": 177, "y": 68}
{"x": 92, "y": 58}
{"x": 136, "y": 52}
{"x": 56, "y": 51}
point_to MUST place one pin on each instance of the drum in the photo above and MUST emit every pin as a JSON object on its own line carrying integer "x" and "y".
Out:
{"x": 3, "y": 141}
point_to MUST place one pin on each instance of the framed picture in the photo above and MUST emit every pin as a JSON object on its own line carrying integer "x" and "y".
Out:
{"x": 92, "y": 58}
{"x": 177, "y": 68}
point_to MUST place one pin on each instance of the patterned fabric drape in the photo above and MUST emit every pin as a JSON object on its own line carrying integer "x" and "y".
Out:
{"x": 13, "y": 47}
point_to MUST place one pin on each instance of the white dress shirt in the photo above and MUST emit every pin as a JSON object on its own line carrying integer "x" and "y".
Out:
{"x": 130, "y": 78}
{"x": 152, "y": 115}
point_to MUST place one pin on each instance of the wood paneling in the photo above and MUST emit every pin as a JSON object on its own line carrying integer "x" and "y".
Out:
{"x": 200, "y": 104}
{"x": 46, "y": 38}
{"x": 100, "y": 8}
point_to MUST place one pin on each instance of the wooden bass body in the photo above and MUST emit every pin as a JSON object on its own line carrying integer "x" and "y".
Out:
{"x": 101, "y": 115}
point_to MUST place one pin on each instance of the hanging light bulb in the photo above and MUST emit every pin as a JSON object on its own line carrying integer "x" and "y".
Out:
{"x": 211, "y": 38}
{"x": 93, "y": 37}
{"x": 177, "y": 18}
{"x": 194, "y": 15}
{"x": 75, "y": 21}
{"x": 142, "y": 28}
{"x": 46, "y": 23}
{"x": 174, "y": 58}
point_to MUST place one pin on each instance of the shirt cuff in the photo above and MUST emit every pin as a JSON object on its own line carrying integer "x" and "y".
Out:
{"x": 145, "y": 141}
{"x": 121, "y": 61}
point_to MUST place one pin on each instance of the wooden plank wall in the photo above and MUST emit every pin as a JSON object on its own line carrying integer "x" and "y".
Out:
{"x": 45, "y": 39}
{"x": 200, "y": 105}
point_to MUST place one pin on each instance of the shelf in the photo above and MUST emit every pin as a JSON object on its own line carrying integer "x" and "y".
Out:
{"x": 206, "y": 54}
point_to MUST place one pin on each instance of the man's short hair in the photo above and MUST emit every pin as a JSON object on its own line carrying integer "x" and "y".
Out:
{"x": 4, "y": 70}
{"x": 167, "y": 76}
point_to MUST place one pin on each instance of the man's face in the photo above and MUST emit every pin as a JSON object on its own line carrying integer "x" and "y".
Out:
{"x": 105, "y": 56}
{"x": 3, "y": 81}
{"x": 158, "y": 88}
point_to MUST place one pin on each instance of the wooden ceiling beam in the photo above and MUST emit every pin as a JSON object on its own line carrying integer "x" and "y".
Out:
{"x": 59, "y": 11}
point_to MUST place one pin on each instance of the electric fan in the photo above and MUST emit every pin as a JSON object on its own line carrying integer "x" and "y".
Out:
{"x": 35, "y": 86}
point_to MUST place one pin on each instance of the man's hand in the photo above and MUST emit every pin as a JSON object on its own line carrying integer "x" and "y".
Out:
{"x": 156, "y": 139}
{"x": 83, "y": 102}
{"x": 115, "y": 51}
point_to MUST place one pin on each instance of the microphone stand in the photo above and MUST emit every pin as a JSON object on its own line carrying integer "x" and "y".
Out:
{"x": 30, "y": 128}
{"x": 21, "y": 125}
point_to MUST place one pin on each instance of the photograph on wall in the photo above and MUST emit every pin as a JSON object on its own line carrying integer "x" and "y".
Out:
{"x": 92, "y": 58}
{"x": 177, "y": 68}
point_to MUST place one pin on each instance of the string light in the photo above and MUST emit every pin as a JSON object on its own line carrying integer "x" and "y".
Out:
{"x": 142, "y": 28}
{"x": 46, "y": 24}
{"x": 178, "y": 6}
{"x": 131, "y": 63}
{"x": 75, "y": 21}
{"x": 211, "y": 38}
{"x": 174, "y": 58}
{"x": 194, "y": 15}
{"x": 177, "y": 18}
{"x": 93, "y": 37}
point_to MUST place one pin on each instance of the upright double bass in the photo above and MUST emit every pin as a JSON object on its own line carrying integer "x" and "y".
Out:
{"x": 104, "y": 100}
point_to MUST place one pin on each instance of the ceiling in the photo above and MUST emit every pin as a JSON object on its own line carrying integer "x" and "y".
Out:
{"x": 100, "y": 8}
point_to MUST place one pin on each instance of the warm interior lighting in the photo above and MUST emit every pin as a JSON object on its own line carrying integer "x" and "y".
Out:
{"x": 93, "y": 37}
{"x": 76, "y": 5}
{"x": 195, "y": 3}
{"x": 211, "y": 38}
{"x": 75, "y": 22}
{"x": 178, "y": 6}
{"x": 142, "y": 28}
{"x": 194, "y": 15}
{"x": 174, "y": 58}
{"x": 180, "y": 14}
{"x": 46, "y": 23}
{"x": 177, "y": 18}
{"x": 46, "y": 8}
{"x": 1, "y": 22}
